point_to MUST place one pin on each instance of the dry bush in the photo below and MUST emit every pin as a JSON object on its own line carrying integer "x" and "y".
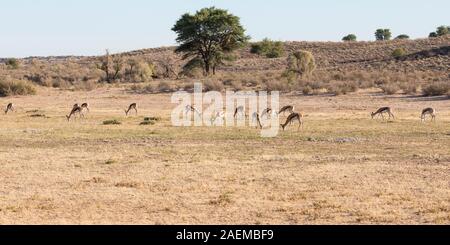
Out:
{"x": 164, "y": 87}
{"x": 236, "y": 85}
{"x": 213, "y": 85}
{"x": 307, "y": 90}
{"x": 340, "y": 87}
{"x": 277, "y": 85}
{"x": 390, "y": 88}
{"x": 86, "y": 85}
{"x": 437, "y": 89}
{"x": 409, "y": 88}
{"x": 9, "y": 87}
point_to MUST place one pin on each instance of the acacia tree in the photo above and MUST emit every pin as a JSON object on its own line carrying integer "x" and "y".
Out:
{"x": 301, "y": 63}
{"x": 383, "y": 34}
{"x": 349, "y": 38}
{"x": 209, "y": 36}
{"x": 111, "y": 66}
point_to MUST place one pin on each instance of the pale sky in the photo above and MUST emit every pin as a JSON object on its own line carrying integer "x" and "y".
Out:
{"x": 88, "y": 27}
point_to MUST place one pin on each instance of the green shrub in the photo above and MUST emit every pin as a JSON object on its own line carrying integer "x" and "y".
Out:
{"x": 350, "y": 38}
{"x": 268, "y": 48}
{"x": 433, "y": 34}
{"x": 443, "y": 30}
{"x": 12, "y": 63}
{"x": 402, "y": 36}
{"x": 16, "y": 87}
{"x": 398, "y": 53}
{"x": 436, "y": 89}
{"x": 111, "y": 122}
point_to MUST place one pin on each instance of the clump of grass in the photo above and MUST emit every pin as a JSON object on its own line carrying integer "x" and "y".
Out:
{"x": 16, "y": 87}
{"x": 110, "y": 162}
{"x": 150, "y": 120}
{"x": 223, "y": 200}
{"x": 38, "y": 115}
{"x": 128, "y": 185}
{"x": 147, "y": 123}
{"x": 111, "y": 122}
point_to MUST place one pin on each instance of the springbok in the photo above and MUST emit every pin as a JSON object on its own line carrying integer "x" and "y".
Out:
{"x": 294, "y": 116}
{"x": 75, "y": 110}
{"x": 218, "y": 115}
{"x": 288, "y": 108}
{"x": 9, "y": 108}
{"x": 382, "y": 111}
{"x": 239, "y": 110}
{"x": 428, "y": 111}
{"x": 257, "y": 119}
{"x": 131, "y": 107}
{"x": 190, "y": 108}
{"x": 85, "y": 106}
{"x": 267, "y": 112}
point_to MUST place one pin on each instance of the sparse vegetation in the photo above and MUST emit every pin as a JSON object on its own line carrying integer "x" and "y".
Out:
{"x": 301, "y": 63}
{"x": 268, "y": 48}
{"x": 402, "y": 37}
{"x": 398, "y": 53}
{"x": 112, "y": 122}
{"x": 390, "y": 89}
{"x": 350, "y": 38}
{"x": 12, "y": 63}
{"x": 150, "y": 120}
{"x": 437, "y": 89}
{"x": 9, "y": 87}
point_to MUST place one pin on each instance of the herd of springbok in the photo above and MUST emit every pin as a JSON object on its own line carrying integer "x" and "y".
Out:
{"x": 240, "y": 111}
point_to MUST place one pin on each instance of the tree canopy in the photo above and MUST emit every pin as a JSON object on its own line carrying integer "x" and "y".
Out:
{"x": 349, "y": 37}
{"x": 209, "y": 36}
{"x": 383, "y": 34}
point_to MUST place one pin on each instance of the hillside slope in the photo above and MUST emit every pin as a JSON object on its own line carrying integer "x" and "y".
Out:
{"x": 427, "y": 60}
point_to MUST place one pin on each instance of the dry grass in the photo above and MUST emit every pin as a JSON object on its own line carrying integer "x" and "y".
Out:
{"x": 343, "y": 168}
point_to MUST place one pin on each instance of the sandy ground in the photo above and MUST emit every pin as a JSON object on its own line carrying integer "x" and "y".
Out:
{"x": 343, "y": 168}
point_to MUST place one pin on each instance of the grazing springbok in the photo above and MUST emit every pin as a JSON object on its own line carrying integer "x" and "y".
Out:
{"x": 294, "y": 116}
{"x": 75, "y": 110}
{"x": 131, "y": 107}
{"x": 382, "y": 111}
{"x": 239, "y": 110}
{"x": 428, "y": 111}
{"x": 190, "y": 108}
{"x": 257, "y": 119}
{"x": 85, "y": 106}
{"x": 218, "y": 115}
{"x": 288, "y": 108}
{"x": 267, "y": 112}
{"x": 9, "y": 108}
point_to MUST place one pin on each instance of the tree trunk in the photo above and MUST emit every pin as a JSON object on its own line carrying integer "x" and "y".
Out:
{"x": 207, "y": 68}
